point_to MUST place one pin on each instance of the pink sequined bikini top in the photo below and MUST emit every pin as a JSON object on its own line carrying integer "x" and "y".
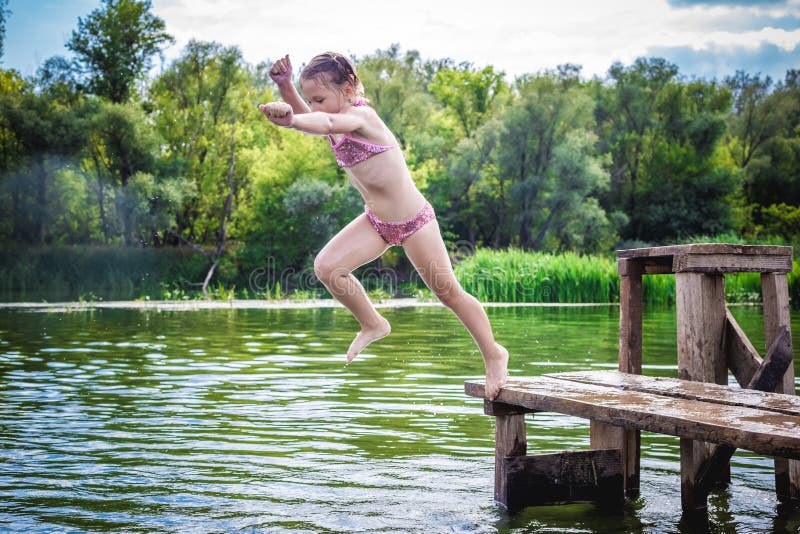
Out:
{"x": 350, "y": 150}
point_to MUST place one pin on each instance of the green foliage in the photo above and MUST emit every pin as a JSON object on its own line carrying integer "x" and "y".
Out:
{"x": 64, "y": 273}
{"x": 664, "y": 139}
{"x": 550, "y": 162}
{"x": 115, "y": 44}
{"x": 152, "y": 204}
{"x": 546, "y": 154}
{"x": 764, "y": 141}
{"x": 199, "y": 104}
{"x": 468, "y": 93}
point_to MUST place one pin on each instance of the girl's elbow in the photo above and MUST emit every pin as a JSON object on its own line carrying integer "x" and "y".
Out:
{"x": 330, "y": 125}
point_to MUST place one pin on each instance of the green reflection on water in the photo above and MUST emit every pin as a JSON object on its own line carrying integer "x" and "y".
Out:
{"x": 232, "y": 419}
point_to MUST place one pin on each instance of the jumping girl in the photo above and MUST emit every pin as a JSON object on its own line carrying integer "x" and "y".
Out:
{"x": 395, "y": 212}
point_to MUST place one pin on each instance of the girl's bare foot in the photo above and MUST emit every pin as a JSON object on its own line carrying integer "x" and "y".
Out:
{"x": 367, "y": 336}
{"x": 496, "y": 372}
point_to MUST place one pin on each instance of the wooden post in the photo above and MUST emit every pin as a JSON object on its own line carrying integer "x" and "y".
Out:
{"x": 765, "y": 378}
{"x": 630, "y": 361}
{"x": 510, "y": 440}
{"x": 700, "y": 309}
{"x": 775, "y": 294}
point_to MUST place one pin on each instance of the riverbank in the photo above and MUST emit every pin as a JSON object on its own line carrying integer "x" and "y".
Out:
{"x": 193, "y": 305}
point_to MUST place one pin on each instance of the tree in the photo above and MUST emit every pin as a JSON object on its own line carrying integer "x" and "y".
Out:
{"x": 764, "y": 139}
{"x": 469, "y": 194}
{"x": 43, "y": 135}
{"x": 546, "y": 154}
{"x": 198, "y": 106}
{"x": 396, "y": 90}
{"x": 663, "y": 136}
{"x": 115, "y": 45}
{"x": 626, "y": 117}
{"x": 468, "y": 93}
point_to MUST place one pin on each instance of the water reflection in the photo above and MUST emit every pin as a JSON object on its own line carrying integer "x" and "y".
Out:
{"x": 223, "y": 420}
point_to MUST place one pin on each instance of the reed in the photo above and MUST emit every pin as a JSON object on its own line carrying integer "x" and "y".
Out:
{"x": 518, "y": 276}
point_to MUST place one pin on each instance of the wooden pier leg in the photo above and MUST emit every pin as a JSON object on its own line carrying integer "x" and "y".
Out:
{"x": 510, "y": 440}
{"x": 630, "y": 361}
{"x": 700, "y": 309}
{"x": 603, "y": 436}
{"x": 775, "y": 294}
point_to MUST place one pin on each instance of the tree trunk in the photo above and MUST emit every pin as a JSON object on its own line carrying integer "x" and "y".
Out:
{"x": 101, "y": 200}
{"x": 227, "y": 208}
{"x": 537, "y": 242}
{"x": 40, "y": 226}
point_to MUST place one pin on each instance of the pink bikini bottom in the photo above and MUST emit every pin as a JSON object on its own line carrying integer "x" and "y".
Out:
{"x": 395, "y": 232}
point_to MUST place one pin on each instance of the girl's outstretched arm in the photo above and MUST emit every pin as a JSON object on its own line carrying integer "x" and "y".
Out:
{"x": 281, "y": 74}
{"x": 317, "y": 122}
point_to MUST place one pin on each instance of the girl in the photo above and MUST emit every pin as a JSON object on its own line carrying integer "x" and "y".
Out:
{"x": 395, "y": 212}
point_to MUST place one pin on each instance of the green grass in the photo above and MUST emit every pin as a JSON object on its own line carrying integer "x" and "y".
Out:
{"x": 516, "y": 276}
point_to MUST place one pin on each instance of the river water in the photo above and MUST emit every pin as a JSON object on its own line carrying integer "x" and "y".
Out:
{"x": 247, "y": 420}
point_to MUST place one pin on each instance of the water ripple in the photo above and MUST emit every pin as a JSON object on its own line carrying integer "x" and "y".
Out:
{"x": 226, "y": 420}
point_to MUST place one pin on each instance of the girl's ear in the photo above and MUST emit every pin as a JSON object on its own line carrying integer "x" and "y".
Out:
{"x": 349, "y": 90}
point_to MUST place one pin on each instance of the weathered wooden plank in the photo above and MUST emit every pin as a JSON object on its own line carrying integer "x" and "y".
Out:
{"x": 705, "y": 248}
{"x": 566, "y": 477}
{"x": 673, "y": 387}
{"x": 766, "y": 378}
{"x": 731, "y": 263}
{"x": 775, "y": 295}
{"x": 743, "y": 359}
{"x": 760, "y": 431}
{"x": 510, "y": 440}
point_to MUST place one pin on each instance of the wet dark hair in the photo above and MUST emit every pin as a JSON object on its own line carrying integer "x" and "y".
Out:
{"x": 332, "y": 69}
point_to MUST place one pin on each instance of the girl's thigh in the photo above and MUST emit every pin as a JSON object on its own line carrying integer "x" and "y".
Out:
{"x": 355, "y": 244}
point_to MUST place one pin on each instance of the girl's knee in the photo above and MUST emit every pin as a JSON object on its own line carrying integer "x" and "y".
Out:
{"x": 327, "y": 271}
{"x": 452, "y": 296}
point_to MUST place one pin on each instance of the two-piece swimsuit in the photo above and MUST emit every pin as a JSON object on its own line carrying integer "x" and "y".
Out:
{"x": 349, "y": 151}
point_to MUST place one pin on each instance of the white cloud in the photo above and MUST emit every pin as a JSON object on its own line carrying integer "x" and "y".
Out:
{"x": 513, "y": 35}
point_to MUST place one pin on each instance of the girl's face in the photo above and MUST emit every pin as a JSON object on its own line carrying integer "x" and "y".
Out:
{"x": 323, "y": 97}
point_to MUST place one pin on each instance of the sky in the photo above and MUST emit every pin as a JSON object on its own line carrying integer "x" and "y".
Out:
{"x": 704, "y": 38}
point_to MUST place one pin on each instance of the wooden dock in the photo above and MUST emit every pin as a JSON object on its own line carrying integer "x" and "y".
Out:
{"x": 711, "y": 418}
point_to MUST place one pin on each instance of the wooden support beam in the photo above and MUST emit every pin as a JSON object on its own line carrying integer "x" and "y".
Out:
{"x": 630, "y": 361}
{"x": 766, "y": 378}
{"x": 500, "y": 408}
{"x": 565, "y": 477}
{"x": 775, "y": 296}
{"x": 700, "y": 309}
{"x": 742, "y": 358}
{"x": 510, "y": 440}
{"x": 731, "y": 263}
